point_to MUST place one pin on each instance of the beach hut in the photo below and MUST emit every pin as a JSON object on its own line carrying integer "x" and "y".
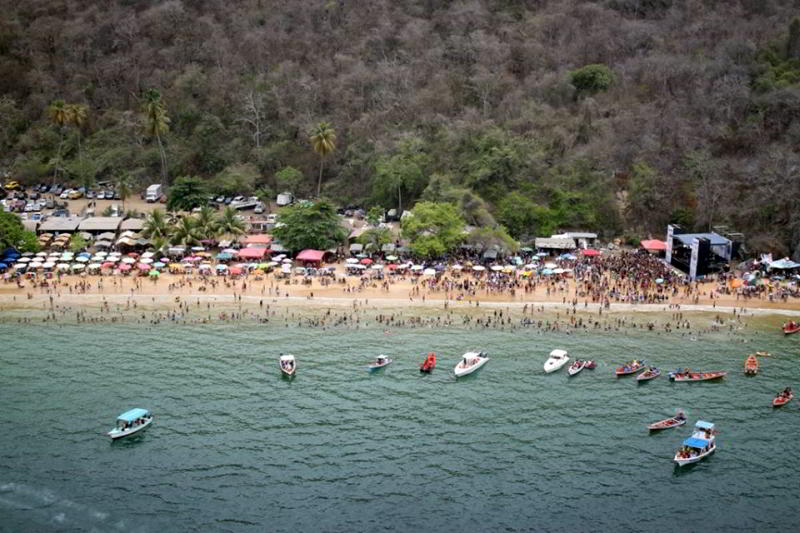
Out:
{"x": 311, "y": 256}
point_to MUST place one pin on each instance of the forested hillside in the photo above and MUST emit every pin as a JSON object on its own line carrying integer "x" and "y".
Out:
{"x": 613, "y": 115}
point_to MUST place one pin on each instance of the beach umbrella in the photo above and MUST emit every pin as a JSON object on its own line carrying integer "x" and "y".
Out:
{"x": 42, "y": 254}
{"x": 366, "y": 261}
{"x": 128, "y": 260}
{"x": 154, "y": 273}
{"x": 112, "y": 259}
{"x": 547, "y": 271}
{"x": 286, "y": 261}
{"x": 542, "y": 254}
{"x": 148, "y": 255}
{"x": 143, "y": 266}
{"x": 417, "y": 268}
{"x": 78, "y": 266}
{"x": 27, "y": 254}
{"x": 124, "y": 267}
{"x": 94, "y": 266}
{"x": 159, "y": 264}
{"x": 3, "y": 266}
{"x": 509, "y": 268}
{"x": 21, "y": 266}
{"x": 377, "y": 267}
{"x": 145, "y": 260}
{"x": 457, "y": 267}
{"x": 496, "y": 268}
{"x": 54, "y": 254}
{"x": 550, "y": 265}
{"x": 526, "y": 274}
{"x": 558, "y": 271}
{"x": 736, "y": 283}
{"x": 84, "y": 254}
{"x": 224, "y": 256}
{"x": 164, "y": 259}
{"x": 222, "y": 267}
{"x": 82, "y": 259}
{"x": 101, "y": 254}
{"x": 659, "y": 280}
{"x": 198, "y": 249}
{"x": 429, "y": 272}
{"x": 134, "y": 255}
{"x": 24, "y": 260}
{"x": 478, "y": 268}
{"x": 35, "y": 264}
{"x": 108, "y": 264}
{"x": 48, "y": 265}
{"x": 391, "y": 258}
{"x": 351, "y": 261}
{"x": 235, "y": 270}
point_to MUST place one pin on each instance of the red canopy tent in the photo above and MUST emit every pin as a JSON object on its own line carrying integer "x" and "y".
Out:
{"x": 654, "y": 245}
{"x": 261, "y": 238}
{"x": 252, "y": 253}
{"x": 590, "y": 252}
{"x": 312, "y": 256}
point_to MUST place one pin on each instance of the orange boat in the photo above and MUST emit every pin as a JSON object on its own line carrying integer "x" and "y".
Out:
{"x": 429, "y": 364}
{"x": 751, "y": 365}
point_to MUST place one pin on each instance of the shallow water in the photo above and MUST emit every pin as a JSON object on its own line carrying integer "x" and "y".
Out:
{"x": 235, "y": 447}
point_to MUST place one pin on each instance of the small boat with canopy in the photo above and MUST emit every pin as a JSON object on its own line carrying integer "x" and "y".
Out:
{"x": 700, "y": 445}
{"x": 470, "y": 362}
{"x": 288, "y": 365}
{"x": 130, "y": 423}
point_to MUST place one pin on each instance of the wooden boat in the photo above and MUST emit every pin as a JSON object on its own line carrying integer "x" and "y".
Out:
{"x": 700, "y": 445}
{"x": 590, "y": 365}
{"x": 783, "y": 397}
{"x": 576, "y": 367}
{"x": 791, "y": 327}
{"x": 429, "y": 364}
{"x": 288, "y": 365}
{"x": 381, "y": 361}
{"x": 688, "y": 375}
{"x": 751, "y": 365}
{"x": 631, "y": 367}
{"x": 675, "y": 421}
{"x": 470, "y": 362}
{"x": 130, "y": 423}
{"x": 650, "y": 373}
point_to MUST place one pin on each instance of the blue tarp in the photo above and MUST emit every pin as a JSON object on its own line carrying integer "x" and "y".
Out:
{"x": 782, "y": 264}
{"x": 133, "y": 414}
{"x": 224, "y": 256}
{"x": 702, "y": 424}
{"x": 3, "y": 265}
{"x": 695, "y": 442}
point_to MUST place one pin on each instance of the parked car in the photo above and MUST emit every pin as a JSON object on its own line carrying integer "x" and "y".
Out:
{"x": 65, "y": 194}
{"x": 74, "y": 195}
{"x": 228, "y": 200}
{"x": 12, "y": 185}
{"x": 101, "y": 195}
{"x": 116, "y": 195}
{"x": 91, "y": 195}
{"x": 50, "y": 203}
{"x": 259, "y": 208}
{"x": 220, "y": 199}
{"x": 61, "y": 213}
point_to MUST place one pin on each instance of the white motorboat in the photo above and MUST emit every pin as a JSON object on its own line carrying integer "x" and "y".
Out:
{"x": 288, "y": 365}
{"x": 576, "y": 367}
{"x": 381, "y": 361}
{"x": 131, "y": 422}
{"x": 700, "y": 445}
{"x": 558, "y": 358}
{"x": 470, "y": 362}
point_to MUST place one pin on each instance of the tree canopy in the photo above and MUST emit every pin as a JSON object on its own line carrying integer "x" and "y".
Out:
{"x": 309, "y": 225}
{"x": 433, "y": 229}
{"x": 187, "y": 193}
{"x": 14, "y": 235}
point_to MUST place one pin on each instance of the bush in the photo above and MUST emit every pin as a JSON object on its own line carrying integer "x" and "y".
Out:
{"x": 592, "y": 79}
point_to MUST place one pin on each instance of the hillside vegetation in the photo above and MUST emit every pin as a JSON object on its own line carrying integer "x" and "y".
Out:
{"x": 612, "y": 115}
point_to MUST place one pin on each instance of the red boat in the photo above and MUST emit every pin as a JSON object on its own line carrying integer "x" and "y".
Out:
{"x": 791, "y": 327}
{"x": 783, "y": 397}
{"x": 429, "y": 364}
{"x": 688, "y": 375}
{"x": 590, "y": 365}
{"x": 673, "y": 422}
{"x": 630, "y": 368}
{"x": 650, "y": 373}
{"x": 751, "y": 365}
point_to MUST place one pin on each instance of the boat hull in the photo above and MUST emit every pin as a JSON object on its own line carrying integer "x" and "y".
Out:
{"x": 683, "y": 461}
{"x": 572, "y": 371}
{"x": 116, "y": 435}
{"x": 374, "y": 368}
{"x": 780, "y": 402}
{"x": 699, "y": 376}
{"x": 461, "y": 372}
{"x": 787, "y": 331}
{"x": 621, "y": 372}
{"x": 550, "y": 368}
{"x": 666, "y": 424}
{"x": 644, "y": 376}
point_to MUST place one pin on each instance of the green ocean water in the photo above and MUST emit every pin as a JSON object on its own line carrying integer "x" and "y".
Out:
{"x": 235, "y": 447}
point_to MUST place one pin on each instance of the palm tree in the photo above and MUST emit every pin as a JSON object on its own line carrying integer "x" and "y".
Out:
{"x": 124, "y": 188}
{"x": 156, "y": 226}
{"x": 76, "y": 115}
{"x": 60, "y": 115}
{"x": 184, "y": 232}
{"x": 323, "y": 141}
{"x": 159, "y": 243}
{"x": 229, "y": 223}
{"x": 205, "y": 223}
{"x": 156, "y": 123}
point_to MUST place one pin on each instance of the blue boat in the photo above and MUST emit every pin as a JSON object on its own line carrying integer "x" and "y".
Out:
{"x": 700, "y": 445}
{"x": 131, "y": 422}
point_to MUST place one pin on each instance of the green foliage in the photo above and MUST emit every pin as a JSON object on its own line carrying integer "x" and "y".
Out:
{"x": 14, "y": 235}
{"x": 433, "y": 229}
{"x": 495, "y": 237}
{"x": 374, "y": 215}
{"x": 187, "y": 193}
{"x": 780, "y": 62}
{"x": 185, "y": 232}
{"x": 645, "y": 198}
{"x": 591, "y": 79}
{"x": 156, "y": 225}
{"x": 77, "y": 243}
{"x": 493, "y": 163}
{"x": 376, "y": 237}
{"x": 205, "y": 223}
{"x": 323, "y": 141}
{"x": 236, "y": 179}
{"x": 526, "y": 219}
{"x": 289, "y": 179}
{"x": 401, "y": 175}
{"x": 310, "y": 225}
{"x": 229, "y": 223}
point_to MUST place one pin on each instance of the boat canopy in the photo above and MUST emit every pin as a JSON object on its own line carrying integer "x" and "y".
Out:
{"x": 558, "y": 353}
{"x": 694, "y": 442}
{"x": 702, "y": 424}
{"x": 472, "y": 355}
{"x": 133, "y": 414}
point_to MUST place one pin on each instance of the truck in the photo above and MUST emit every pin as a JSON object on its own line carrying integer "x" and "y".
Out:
{"x": 153, "y": 193}
{"x": 285, "y": 198}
